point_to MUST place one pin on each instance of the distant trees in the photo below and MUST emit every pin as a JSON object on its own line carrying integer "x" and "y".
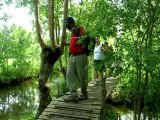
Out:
{"x": 17, "y": 57}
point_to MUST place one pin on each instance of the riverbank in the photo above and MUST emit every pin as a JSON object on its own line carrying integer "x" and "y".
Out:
{"x": 16, "y": 81}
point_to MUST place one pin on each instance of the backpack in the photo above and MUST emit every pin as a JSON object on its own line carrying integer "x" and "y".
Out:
{"x": 87, "y": 42}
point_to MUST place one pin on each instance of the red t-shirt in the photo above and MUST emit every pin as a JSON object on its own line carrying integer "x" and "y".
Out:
{"x": 74, "y": 47}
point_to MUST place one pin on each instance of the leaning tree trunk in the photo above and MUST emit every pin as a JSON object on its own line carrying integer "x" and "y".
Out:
{"x": 49, "y": 55}
{"x": 48, "y": 59}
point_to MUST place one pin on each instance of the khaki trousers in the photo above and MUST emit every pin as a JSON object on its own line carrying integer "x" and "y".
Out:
{"x": 77, "y": 74}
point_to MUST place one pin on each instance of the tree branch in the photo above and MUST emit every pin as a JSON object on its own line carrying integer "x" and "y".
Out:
{"x": 51, "y": 23}
{"x": 64, "y": 27}
{"x": 38, "y": 27}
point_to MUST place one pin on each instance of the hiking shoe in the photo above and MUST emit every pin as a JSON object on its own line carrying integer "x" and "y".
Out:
{"x": 70, "y": 98}
{"x": 83, "y": 97}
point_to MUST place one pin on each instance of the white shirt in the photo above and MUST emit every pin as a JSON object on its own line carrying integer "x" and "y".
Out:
{"x": 98, "y": 54}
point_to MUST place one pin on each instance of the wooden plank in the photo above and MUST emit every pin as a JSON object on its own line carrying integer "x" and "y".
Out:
{"x": 88, "y": 101}
{"x": 64, "y": 118}
{"x": 59, "y": 113}
{"x": 75, "y": 114}
{"x": 73, "y": 110}
{"x": 43, "y": 117}
{"x": 91, "y": 102}
{"x": 73, "y": 105}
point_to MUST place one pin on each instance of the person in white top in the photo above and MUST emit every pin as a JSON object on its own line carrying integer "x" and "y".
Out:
{"x": 99, "y": 64}
{"x": 98, "y": 53}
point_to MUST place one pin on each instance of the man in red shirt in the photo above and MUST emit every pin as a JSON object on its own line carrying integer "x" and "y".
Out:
{"x": 77, "y": 65}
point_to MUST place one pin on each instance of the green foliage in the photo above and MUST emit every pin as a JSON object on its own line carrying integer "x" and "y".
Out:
{"x": 152, "y": 98}
{"x": 138, "y": 43}
{"x": 134, "y": 25}
{"x": 111, "y": 115}
{"x": 58, "y": 84}
{"x": 109, "y": 56}
{"x": 88, "y": 43}
{"x": 98, "y": 17}
{"x": 19, "y": 54}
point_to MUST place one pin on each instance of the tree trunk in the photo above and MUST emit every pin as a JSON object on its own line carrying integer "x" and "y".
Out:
{"x": 48, "y": 59}
{"x": 49, "y": 55}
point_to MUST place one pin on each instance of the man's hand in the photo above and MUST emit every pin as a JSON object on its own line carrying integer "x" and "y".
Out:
{"x": 74, "y": 30}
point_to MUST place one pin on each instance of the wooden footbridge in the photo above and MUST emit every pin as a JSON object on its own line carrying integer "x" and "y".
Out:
{"x": 83, "y": 110}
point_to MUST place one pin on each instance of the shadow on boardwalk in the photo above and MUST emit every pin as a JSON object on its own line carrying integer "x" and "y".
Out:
{"x": 83, "y": 110}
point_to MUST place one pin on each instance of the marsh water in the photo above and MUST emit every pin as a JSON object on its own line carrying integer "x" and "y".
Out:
{"x": 20, "y": 102}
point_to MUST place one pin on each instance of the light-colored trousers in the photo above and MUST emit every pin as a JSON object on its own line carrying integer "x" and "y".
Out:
{"x": 77, "y": 74}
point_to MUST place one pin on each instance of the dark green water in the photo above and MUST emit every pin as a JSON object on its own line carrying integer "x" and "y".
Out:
{"x": 19, "y": 102}
{"x": 118, "y": 113}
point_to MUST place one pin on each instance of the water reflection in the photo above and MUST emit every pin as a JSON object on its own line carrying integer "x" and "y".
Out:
{"x": 124, "y": 113}
{"x": 19, "y": 102}
{"x": 118, "y": 113}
